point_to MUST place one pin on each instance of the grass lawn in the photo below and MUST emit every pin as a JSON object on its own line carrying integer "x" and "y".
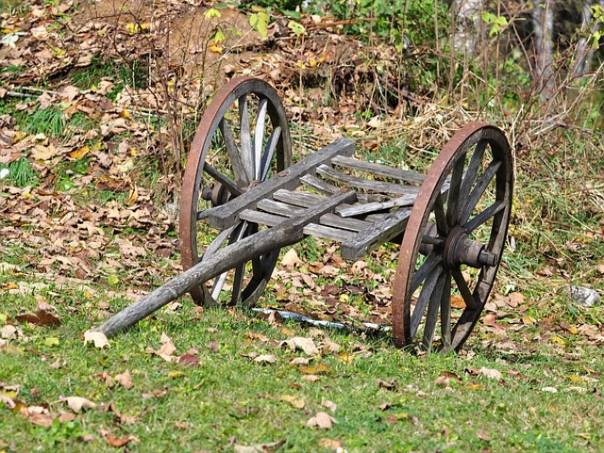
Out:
{"x": 387, "y": 399}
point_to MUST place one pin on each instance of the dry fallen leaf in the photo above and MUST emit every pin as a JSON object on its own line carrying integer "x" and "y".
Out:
{"x": 190, "y": 358}
{"x": 265, "y": 358}
{"x": 322, "y": 421}
{"x": 97, "y": 338}
{"x": 40, "y": 318}
{"x": 77, "y": 403}
{"x": 305, "y": 344}
{"x": 490, "y": 373}
{"x": 445, "y": 379}
{"x": 329, "y": 405}
{"x": 166, "y": 350}
{"x": 115, "y": 441}
{"x": 319, "y": 368}
{"x": 331, "y": 444}
{"x": 295, "y": 401}
{"x": 290, "y": 259}
{"x": 125, "y": 379}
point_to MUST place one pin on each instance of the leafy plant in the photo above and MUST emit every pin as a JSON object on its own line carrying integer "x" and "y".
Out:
{"x": 496, "y": 23}
{"x": 259, "y": 22}
{"x": 398, "y": 21}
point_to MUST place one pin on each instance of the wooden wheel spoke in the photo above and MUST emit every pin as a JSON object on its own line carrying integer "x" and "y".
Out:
{"x": 227, "y": 182}
{"x": 425, "y": 269}
{"x": 237, "y": 283}
{"x": 445, "y": 313}
{"x": 479, "y": 189}
{"x": 218, "y": 241}
{"x": 484, "y": 216}
{"x": 422, "y": 300}
{"x": 259, "y": 136}
{"x": 269, "y": 150}
{"x": 245, "y": 137}
{"x": 433, "y": 306}
{"x": 453, "y": 198}
{"x": 234, "y": 153}
{"x": 470, "y": 300}
{"x": 218, "y": 285}
{"x": 472, "y": 171}
{"x": 441, "y": 218}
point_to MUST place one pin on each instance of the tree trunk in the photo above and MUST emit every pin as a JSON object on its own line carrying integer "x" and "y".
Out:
{"x": 543, "y": 25}
{"x": 467, "y": 18}
{"x": 585, "y": 52}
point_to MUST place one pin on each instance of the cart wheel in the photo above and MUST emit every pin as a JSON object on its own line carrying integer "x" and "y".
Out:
{"x": 454, "y": 240}
{"x": 242, "y": 139}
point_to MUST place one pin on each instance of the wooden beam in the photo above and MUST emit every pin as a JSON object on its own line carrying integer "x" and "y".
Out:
{"x": 226, "y": 258}
{"x": 378, "y": 233}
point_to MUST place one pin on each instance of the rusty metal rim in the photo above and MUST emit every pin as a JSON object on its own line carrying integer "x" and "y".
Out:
{"x": 208, "y": 125}
{"x": 417, "y": 221}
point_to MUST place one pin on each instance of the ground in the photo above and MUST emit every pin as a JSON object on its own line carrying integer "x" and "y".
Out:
{"x": 88, "y": 225}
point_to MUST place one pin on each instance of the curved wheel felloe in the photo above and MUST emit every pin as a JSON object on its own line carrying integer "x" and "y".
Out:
{"x": 242, "y": 139}
{"x": 454, "y": 240}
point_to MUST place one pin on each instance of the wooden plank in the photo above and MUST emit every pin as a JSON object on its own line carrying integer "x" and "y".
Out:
{"x": 302, "y": 199}
{"x": 261, "y": 218}
{"x": 365, "y": 184}
{"x": 323, "y": 186}
{"x": 288, "y": 232}
{"x": 336, "y": 221}
{"x": 225, "y": 215}
{"x": 319, "y": 184}
{"x": 325, "y": 232}
{"x": 365, "y": 208}
{"x": 283, "y": 209}
{"x": 409, "y": 176}
{"x": 278, "y": 208}
{"x": 378, "y": 233}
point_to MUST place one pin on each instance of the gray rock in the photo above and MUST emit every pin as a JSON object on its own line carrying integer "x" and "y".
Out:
{"x": 586, "y": 297}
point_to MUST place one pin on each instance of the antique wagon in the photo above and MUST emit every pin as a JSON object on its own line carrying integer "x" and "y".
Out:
{"x": 243, "y": 200}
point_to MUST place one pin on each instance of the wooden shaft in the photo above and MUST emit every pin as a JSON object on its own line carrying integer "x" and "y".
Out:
{"x": 288, "y": 232}
{"x": 223, "y": 260}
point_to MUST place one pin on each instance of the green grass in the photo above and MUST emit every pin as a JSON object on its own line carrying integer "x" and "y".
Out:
{"x": 228, "y": 396}
{"x": 21, "y": 173}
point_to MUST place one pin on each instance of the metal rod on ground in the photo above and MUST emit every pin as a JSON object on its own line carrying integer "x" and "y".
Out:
{"x": 290, "y": 315}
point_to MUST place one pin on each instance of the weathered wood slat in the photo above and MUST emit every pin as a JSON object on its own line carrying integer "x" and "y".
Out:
{"x": 278, "y": 208}
{"x": 262, "y": 218}
{"x": 225, "y": 215}
{"x": 283, "y": 209}
{"x": 365, "y": 184}
{"x": 323, "y": 186}
{"x": 336, "y": 221}
{"x": 365, "y": 208}
{"x": 378, "y": 233}
{"x": 289, "y": 232}
{"x": 302, "y": 199}
{"x": 319, "y": 184}
{"x": 325, "y": 232}
{"x": 409, "y": 176}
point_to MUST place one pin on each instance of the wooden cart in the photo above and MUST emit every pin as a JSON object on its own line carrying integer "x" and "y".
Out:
{"x": 243, "y": 200}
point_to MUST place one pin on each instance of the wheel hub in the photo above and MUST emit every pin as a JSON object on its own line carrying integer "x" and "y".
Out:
{"x": 460, "y": 249}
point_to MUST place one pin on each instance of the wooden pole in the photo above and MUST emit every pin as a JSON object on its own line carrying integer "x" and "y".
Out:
{"x": 288, "y": 232}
